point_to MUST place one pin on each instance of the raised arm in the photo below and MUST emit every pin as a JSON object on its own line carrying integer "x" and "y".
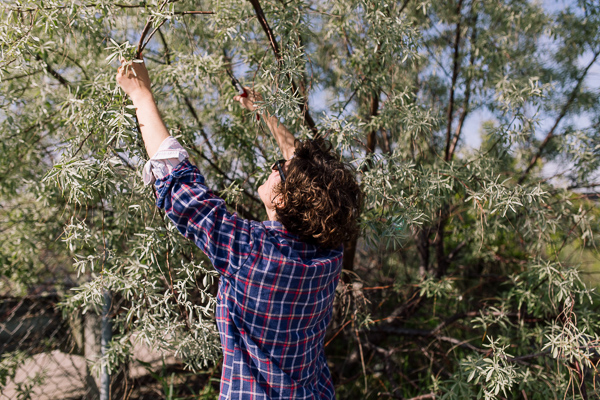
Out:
{"x": 284, "y": 138}
{"x": 198, "y": 214}
{"x": 137, "y": 87}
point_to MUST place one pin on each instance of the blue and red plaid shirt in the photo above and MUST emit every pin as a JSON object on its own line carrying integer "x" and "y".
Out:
{"x": 275, "y": 294}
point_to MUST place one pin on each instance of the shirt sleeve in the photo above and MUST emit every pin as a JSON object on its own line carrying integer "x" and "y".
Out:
{"x": 169, "y": 154}
{"x": 201, "y": 216}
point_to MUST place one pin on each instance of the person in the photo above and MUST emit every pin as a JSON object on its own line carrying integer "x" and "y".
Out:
{"x": 277, "y": 277}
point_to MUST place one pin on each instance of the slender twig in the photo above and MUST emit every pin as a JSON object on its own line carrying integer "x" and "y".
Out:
{"x": 562, "y": 114}
{"x": 10, "y": 78}
{"x": 351, "y": 96}
{"x": 186, "y": 99}
{"x": 362, "y": 357}
{"x": 403, "y": 6}
{"x": 150, "y": 37}
{"x": 424, "y": 397}
{"x": 91, "y": 5}
{"x": 141, "y": 44}
{"x": 466, "y": 107}
{"x": 425, "y": 333}
{"x": 194, "y": 12}
{"x": 308, "y": 120}
{"x": 53, "y": 72}
{"x": 455, "y": 68}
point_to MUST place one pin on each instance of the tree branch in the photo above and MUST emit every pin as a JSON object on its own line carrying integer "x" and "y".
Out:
{"x": 373, "y": 111}
{"x": 403, "y": 6}
{"x": 425, "y": 333}
{"x": 53, "y": 72}
{"x": 141, "y": 44}
{"x": 194, "y": 12}
{"x": 466, "y": 108}
{"x": 308, "y": 120}
{"x": 91, "y": 5}
{"x": 454, "y": 79}
{"x": 11, "y": 78}
{"x": 424, "y": 397}
{"x": 140, "y": 49}
{"x": 187, "y": 101}
{"x": 562, "y": 114}
{"x": 440, "y": 252}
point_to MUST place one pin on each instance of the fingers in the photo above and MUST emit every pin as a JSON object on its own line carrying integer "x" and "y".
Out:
{"x": 251, "y": 93}
{"x": 243, "y": 100}
{"x": 247, "y": 103}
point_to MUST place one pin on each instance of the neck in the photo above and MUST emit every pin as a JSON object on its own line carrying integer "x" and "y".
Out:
{"x": 272, "y": 214}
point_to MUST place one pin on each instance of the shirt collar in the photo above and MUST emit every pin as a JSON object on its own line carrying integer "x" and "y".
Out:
{"x": 274, "y": 224}
{"x": 279, "y": 227}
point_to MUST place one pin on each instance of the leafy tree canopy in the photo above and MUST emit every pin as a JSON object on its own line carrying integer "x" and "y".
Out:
{"x": 466, "y": 280}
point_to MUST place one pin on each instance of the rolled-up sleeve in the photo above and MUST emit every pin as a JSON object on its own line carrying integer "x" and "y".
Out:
{"x": 201, "y": 216}
{"x": 169, "y": 154}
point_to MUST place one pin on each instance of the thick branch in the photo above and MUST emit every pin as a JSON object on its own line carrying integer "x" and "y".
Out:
{"x": 454, "y": 79}
{"x": 265, "y": 25}
{"x": 562, "y": 114}
{"x": 373, "y": 111}
{"x": 422, "y": 242}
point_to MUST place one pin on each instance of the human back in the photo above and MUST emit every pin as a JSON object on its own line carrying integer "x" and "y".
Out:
{"x": 275, "y": 313}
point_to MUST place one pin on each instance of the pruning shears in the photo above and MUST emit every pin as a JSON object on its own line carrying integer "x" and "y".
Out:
{"x": 240, "y": 89}
{"x": 237, "y": 85}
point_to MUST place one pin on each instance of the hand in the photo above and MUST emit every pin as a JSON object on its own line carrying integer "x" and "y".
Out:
{"x": 248, "y": 102}
{"x": 133, "y": 78}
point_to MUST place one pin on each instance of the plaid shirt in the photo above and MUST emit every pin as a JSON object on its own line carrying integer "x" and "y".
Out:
{"x": 275, "y": 294}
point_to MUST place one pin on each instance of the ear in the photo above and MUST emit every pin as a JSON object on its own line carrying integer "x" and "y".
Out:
{"x": 278, "y": 201}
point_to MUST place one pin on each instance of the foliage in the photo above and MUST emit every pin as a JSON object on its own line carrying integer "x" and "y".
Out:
{"x": 9, "y": 363}
{"x": 465, "y": 281}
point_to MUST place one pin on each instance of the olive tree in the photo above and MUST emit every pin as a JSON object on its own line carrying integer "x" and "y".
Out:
{"x": 466, "y": 280}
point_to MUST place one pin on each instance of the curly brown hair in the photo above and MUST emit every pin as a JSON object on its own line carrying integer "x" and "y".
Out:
{"x": 321, "y": 197}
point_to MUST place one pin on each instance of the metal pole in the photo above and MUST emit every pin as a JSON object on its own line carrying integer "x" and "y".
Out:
{"x": 105, "y": 338}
